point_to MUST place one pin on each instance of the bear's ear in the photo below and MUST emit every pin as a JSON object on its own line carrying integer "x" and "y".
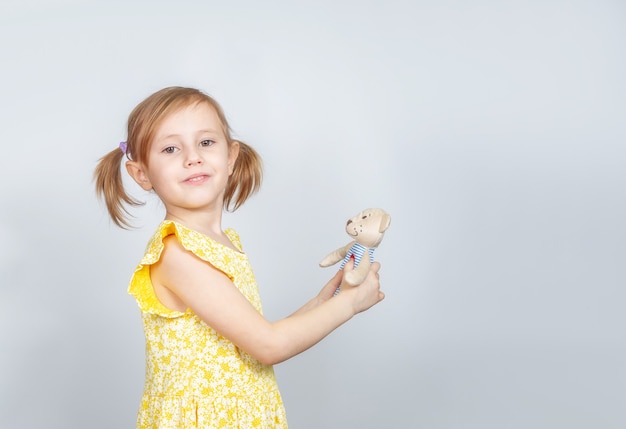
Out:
{"x": 385, "y": 221}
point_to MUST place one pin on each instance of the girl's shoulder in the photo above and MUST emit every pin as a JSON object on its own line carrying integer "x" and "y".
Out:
{"x": 196, "y": 242}
{"x": 205, "y": 248}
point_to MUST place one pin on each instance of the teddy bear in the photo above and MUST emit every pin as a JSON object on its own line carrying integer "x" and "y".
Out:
{"x": 367, "y": 230}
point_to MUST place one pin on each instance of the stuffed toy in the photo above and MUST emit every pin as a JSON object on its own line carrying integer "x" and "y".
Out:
{"x": 367, "y": 230}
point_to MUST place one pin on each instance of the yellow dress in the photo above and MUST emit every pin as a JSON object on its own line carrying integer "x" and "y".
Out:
{"x": 195, "y": 378}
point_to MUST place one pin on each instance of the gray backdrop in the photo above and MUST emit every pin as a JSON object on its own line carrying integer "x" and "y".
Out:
{"x": 493, "y": 132}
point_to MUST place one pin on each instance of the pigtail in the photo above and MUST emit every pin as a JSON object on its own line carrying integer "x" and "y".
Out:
{"x": 246, "y": 177}
{"x": 110, "y": 188}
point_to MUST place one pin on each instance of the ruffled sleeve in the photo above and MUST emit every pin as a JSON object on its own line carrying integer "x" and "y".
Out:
{"x": 218, "y": 255}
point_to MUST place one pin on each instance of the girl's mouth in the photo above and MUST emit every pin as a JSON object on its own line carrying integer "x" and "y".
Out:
{"x": 197, "y": 179}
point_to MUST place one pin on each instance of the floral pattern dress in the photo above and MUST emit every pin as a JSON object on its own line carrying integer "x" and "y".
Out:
{"x": 195, "y": 378}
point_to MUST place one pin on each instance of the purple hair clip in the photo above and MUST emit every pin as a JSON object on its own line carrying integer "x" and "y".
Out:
{"x": 123, "y": 147}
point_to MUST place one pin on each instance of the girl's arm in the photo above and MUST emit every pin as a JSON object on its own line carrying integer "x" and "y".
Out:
{"x": 211, "y": 295}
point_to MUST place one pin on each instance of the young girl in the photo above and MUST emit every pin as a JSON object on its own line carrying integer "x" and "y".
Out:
{"x": 209, "y": 350}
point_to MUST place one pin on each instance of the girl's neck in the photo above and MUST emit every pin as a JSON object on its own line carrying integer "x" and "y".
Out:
{"x": 209, "y": 224}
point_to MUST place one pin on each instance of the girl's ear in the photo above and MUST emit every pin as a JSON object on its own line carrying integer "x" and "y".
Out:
{"x": 233, "y": 153}
{"x": 138, "y": 173}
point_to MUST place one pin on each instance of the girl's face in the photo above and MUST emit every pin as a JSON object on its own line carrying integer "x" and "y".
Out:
{"x": 189, "y": 162}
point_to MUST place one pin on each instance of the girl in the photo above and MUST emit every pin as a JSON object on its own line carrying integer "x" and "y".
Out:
{"x": 209, "y": 350}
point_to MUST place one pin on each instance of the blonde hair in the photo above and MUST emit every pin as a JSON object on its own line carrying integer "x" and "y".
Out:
{"x": 143, "y": 122}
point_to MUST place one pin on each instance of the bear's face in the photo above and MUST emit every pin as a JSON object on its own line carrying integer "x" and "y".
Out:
{"x": 368, "y": 227}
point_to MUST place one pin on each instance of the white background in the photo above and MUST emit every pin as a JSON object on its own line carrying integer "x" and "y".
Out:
{"x": 492, "y": 131}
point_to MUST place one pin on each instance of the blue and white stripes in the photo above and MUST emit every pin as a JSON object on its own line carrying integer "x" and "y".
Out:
{"x": 357, "y": 250}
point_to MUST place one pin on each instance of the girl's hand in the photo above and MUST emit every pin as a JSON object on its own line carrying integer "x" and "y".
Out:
{"x": 328, "y": 291}
{"x": 367, "y": 293}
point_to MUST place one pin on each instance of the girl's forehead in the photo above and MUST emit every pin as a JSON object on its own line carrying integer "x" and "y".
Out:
{"x": 201, "y": 111}
{"x": 195, "y": 116}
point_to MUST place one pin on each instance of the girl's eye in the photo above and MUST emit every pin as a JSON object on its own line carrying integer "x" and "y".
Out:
{"x": 206, "y": 143}
{"x": 169, "y": 149}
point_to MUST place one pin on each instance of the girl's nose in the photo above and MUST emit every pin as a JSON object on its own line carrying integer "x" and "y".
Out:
{"x": 193, "y": 159}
